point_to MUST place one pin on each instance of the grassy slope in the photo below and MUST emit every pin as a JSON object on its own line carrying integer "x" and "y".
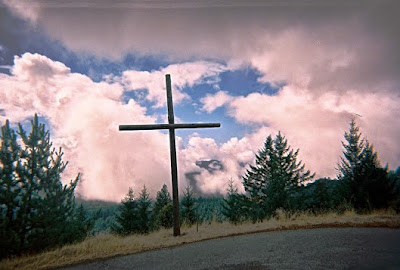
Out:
{"x": 107, "y": 246}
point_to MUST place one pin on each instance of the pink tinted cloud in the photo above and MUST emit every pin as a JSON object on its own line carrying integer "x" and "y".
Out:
{"x": 343, "y": 44}
{"x": 212, "y": 102}
{"x": 185, "y": 75}
{"x": 84, "y": 118}
{"x": 235, "y": 155}
{"x": 316, "y": 124}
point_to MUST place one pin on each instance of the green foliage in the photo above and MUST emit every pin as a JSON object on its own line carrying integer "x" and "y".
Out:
{"x": 133, "y": 215}
{"x": 275, "y": 178}
{"x": 82, "y": 223}
{"x": 365, "y": 182}
{"x": 37, "y": 210}
{"x": 394, "y": 179}
{"x": 188, "y": 207}
{"x": 162, "y": 214}
{"x": 209, "y": 209}
{"x": 165, "y": 216}
{"x": 126, "y": 221}
{"x": 10, "y": 191}
{"x": 321, "y": 196}
{"x": 232, "y": 206}
{"x": 103, "y": 213}
{"x": 144, "y": 204}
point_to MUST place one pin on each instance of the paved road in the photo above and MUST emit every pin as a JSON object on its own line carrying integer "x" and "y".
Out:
{"x": 338, "y": 248}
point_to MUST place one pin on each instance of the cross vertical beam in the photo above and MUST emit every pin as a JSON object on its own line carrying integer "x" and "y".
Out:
{"x": 174, "y": 167}
{"x": 171, "y": 126}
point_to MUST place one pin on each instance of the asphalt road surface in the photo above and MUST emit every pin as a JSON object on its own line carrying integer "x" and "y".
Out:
{"x": 336, "y": 248}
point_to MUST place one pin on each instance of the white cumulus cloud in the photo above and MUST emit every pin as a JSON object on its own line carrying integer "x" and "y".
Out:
{"x": 185, "y": 75}
{"x": 84, "y": 118}
{"x": 316, "y": 124}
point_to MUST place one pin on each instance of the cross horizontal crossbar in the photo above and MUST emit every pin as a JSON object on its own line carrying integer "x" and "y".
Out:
{"x": 168, "y": 126}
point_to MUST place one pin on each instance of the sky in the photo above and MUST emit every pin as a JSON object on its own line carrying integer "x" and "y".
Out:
{"x": 305, "y": 68}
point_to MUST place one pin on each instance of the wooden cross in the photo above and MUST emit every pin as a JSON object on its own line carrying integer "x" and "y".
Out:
{"x": 171, "y": 126}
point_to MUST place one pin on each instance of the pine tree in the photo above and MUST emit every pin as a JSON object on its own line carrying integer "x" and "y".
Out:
{"x": 10, "y": 191}
{"x": 353, "y": 151}
{"x": 127, "y": 220}
{"x": 365, "y": 181}
{"x": 233, "y": 204}
{"x": 394, "y": 179}
{"x": 144, "y": 204}
{"x": 42, "y": 207}
{"x": 166, "y": 216}
{"x": 188, "y": 212}
{"x": 272, "y": 182}
{"x": 82, "y": 224}
{"x": 320, "y": 196}
{"x": 47, "y": 205}
{"x": 162, "y": 214}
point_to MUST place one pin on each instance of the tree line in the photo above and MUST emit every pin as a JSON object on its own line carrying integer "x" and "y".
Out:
{"x": 38, "y": 212}
{"x": 142, "y": 216}
{"x": 278, "y": 182}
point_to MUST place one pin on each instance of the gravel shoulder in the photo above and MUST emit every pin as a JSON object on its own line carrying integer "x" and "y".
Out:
{"x": 326, "y": 248}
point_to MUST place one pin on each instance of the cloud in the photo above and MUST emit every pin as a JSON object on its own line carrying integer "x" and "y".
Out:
{"x": 231, "y": 158}
{"x": 334, "y": 60}
{"x": 185, "y": 75}
{"x": 212, "y": 102}
{"x": 288, "y": 39}
{"x": 347, "y": 59}
{"x": 318, "y": 45}
{"x": 28, "y": 10}
{"x": 316, "y": 124}
{"x": 84, "y": 118}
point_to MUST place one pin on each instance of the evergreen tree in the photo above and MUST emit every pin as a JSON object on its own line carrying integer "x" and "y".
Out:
{"x": 166, "y": 216}
{"x": 318, "y": 197}
{"x": 321, "y": 196}
{"x": 127, "y": 220}
{"x": 275, "y": 178}
{"x": 82, "y": 223}
{"x": 144, "y": 204}
{"x": 47, "y": 205}
{"x": 35, "y": 203}
{"x": 365, "y": 182}
{"x": 10, "y": 191}
{"x": 162, "y": 214}
{"x": 350, "y": 164}
{"x": 233, "y": 205}
{"x": 188, "y": 212}
{"x": 394, "y": 179}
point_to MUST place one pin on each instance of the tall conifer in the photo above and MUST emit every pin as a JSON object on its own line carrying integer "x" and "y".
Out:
{"x": 188, "y": 212}
{"x": 144, "y": 204}
{"x": 10, "y": 191}
{"x": 365, "y": 182}
{"x": 232, "y": 207}
{"x": 277, "y": 174}
{"x": 127, "y": 220}
{"x": 162, "y": 214}
{"x": 42, "y": 207}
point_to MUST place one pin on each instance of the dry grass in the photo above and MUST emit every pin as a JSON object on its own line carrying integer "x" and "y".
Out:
{"x": 107, "y": 246}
